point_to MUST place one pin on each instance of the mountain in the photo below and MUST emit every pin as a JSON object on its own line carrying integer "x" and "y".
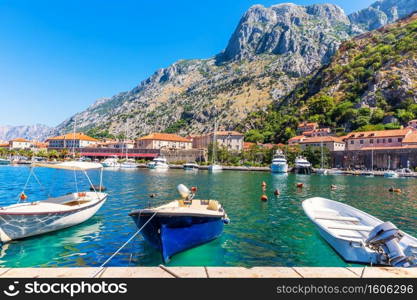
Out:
{"x": 269, "y": 54}
{"x": 371, "y": 77}
{"x": 36, "y": 132}
{"x": 382, "y": 13}
{"x": 370, "y": 84}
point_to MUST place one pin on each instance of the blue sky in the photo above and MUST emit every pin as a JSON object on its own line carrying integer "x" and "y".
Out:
{"x": 58, "y": 57}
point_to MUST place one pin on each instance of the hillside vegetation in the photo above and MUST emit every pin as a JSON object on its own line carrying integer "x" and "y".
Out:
{"x": 370, "y": 84}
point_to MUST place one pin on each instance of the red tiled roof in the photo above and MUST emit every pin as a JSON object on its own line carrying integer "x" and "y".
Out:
{"x": 378, "y": 134}
{"x": 319, "y": 139}
{"x": 410, "y": 138}
{"x": 21, "y": 140}
{"x": 165, "y": 137}
{"x": 296, "y": 138}
{"x": 71, "y": 136}
{"x": 307, "y": 124}
{"x": 225, "y": 133}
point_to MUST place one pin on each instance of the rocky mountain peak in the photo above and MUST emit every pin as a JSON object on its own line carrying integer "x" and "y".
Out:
{"x": 287, "y": 28}
{"x": 382, "y": 12}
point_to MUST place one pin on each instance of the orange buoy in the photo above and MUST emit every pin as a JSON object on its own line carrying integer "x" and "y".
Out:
{"x": 264, "y": 198}
{"x": 300, "y": 185}
{"x": 276, "y": 192}
{"x": 23, "y": 196}
{"x": 193, "y": 189}
{"x": 391, "y": 189}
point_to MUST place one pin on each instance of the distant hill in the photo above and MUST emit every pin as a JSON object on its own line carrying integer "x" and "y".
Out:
{"x": 31, "y": 132}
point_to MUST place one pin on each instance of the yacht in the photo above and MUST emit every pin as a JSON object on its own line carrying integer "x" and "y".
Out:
{"x": 128, "y": 164}
{"x": 279, "y": 163}
{"x": 111, "y": 162}
{"x": 302, "y": 165}
{"x": 158, "y": 163}
{"x": 190, "y": 166}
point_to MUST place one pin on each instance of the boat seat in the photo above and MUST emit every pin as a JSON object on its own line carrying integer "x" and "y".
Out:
{"x": 337, "y": 218}
{"x": 350, "y": 227}
{"x": 76, "y": 202}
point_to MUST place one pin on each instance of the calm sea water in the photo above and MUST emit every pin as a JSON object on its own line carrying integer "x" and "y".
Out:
{"x": 274, "y": 233}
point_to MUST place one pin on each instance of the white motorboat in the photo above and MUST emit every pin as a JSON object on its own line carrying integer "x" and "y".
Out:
{"x": 190, "y": 166}
{"x": 215, "y": 168}
{"x": 302, "y": 165}
{"x": 359, "y": 237}
{"x": 4, "y": 161}
{"x": 112, "y": 162}
{"x": 129, "y": 164}
{"x": 25, "y": 219}
{"x": 279, "y": 163}
{"x": 158, "y": 163}
{"x": 391, "y": 174}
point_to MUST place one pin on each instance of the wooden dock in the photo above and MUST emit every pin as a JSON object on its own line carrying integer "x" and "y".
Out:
{"x": 211, "y": 272}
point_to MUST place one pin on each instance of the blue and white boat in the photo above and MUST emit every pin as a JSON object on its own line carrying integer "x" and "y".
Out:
{"x": 159, "y": 163}
{"x": 4, "y": 161}
{"x": 279, "y": 163}
{"x": 181, "y": 224}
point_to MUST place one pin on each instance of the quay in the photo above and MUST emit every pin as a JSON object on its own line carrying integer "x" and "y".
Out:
{"x": 211, "y": 272}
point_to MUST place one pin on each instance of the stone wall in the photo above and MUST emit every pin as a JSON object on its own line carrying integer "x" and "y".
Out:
{"x": 398, "y": 158}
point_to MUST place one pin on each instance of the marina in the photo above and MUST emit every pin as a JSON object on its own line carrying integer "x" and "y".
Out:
{"x": 275, "y": 233}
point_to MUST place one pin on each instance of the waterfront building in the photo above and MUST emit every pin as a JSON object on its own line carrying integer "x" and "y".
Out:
{"x": 231, "y": 140}
{"x": 376, "y": 139}
{"x": 114, "y": 144}
{"x": 71, "y": 140}
{"x": 306, "y": 127}
{"x": 39, "y": 146}
{"x": 20, "y": 144}
{"x": 163, "y": 141}
{"x": 330, "y": 142}
{"x": 296, "y": 140}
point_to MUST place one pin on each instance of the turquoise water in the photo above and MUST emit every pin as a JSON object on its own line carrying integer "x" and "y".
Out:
{"x": 273, "y": 233}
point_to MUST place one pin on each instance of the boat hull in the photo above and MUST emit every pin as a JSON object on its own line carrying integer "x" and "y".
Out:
{"x": 14, "y": 226}
{"x": 279, "y": 168}
{"x": 174, "y": 234}
{"x": 4, "y": 162}
{"x": 348, "y": 250}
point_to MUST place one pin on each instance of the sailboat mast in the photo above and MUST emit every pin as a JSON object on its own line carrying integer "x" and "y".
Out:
{"x": 214, "y": 143}
{"x": 73, "y": 140}
{"x": 125, "y": 142}
{"x": 372, "y": 160}
{"x": 321, "y": 144}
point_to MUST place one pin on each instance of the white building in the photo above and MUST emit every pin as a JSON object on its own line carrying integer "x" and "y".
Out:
{"x": 71, "y": 140}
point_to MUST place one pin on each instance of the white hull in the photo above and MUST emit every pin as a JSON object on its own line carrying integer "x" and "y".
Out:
{"x": 279, "y": 168}
{"x": 346, "y": 229}
{"x": 322, "y": 171}
{"x": 215, "y": 168}
{"x": 391, "y": 174}
{"x": 29, "y": 219}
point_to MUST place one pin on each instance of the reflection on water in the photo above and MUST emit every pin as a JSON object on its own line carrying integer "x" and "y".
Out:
{"x": 272, "y": 233}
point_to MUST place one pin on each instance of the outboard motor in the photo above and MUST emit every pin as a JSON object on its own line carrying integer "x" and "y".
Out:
{"x": 385, "y": 239}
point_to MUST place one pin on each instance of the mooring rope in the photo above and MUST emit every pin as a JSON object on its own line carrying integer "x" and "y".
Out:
{"x": 101, "y": 268}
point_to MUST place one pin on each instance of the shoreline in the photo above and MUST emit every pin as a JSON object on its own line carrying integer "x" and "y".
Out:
{"x": 210, "y": 272}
